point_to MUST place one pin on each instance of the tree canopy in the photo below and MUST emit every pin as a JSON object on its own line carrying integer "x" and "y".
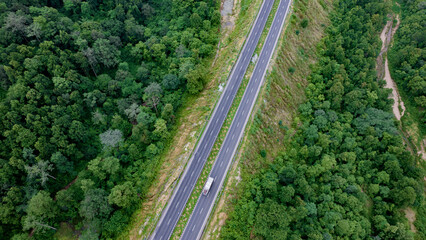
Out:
{"x": 88, "y": 92}
{"x": 346, "y": 173}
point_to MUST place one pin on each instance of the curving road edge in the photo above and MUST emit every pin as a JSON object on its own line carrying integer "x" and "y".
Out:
{"x": 198, "y": 220}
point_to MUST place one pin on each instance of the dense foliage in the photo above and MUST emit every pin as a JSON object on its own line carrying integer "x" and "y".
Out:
{"x": 88, "y": 91}
{"x": 408, "y": 55}
{"x": 346, "y": 174}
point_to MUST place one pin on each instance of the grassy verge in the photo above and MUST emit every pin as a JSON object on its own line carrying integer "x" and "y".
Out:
{"x": 191, "y": 120}
{"x": 276, "y": 109}
{"x": 222, "y": 134}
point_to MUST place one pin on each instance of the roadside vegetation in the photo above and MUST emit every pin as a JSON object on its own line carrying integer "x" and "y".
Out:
{"x": 88, "y": 96}
{"x": 346, "y": 173}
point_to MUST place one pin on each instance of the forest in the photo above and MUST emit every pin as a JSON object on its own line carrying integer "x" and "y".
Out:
{"x": 408, "y": 55}
{"x": 346, "y": 173}
{"x": 88, "y": 95}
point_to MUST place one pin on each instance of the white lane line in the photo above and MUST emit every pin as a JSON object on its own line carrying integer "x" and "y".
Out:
{"x": 238, "y": 124}
{"x": 263, "y": 60}
{"x": 201, "y": 210}
{"x": 211, "y": 132}
{"x": 227, "y": 149}
{"x": 185, "y": 188}
{"x": 221, "y": 164}
{"x": 243, "y": 112}
{"x": 177, "y": 205}
{"x": 233, "y": 136}
{"x": 205, "y": 146}
{"x": 193, "y": 228}
{"x": 227, "y": 97}
{"x": 217, "y": 119}
{"x": 192, "y": 173}
{"x": 161, "y": 237}
{"x": 251, "y": 90}
{"x": 169, "y": 222}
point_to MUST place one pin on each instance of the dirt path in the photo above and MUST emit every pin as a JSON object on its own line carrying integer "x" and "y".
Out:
{"x": 383, "y": 71}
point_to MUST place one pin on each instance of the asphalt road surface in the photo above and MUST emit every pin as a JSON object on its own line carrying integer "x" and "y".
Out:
{"x": 176, "y": 204}
{"x": 201, "y": 212}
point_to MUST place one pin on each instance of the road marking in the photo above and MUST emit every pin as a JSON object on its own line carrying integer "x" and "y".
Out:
{"x": 227, "y": 149}
{"x": 233, "y": 136}
{"x": 192, "y": 173}
{"x": 185, "y": 188}
{"x": 238, "y": 124}
{"x": 251, "y": 90}
{"x": 205, "y": 146}
{"x": 177, "y": 205}
{"x": 243, "y": 111}
{"x": 211, "y": 132}
{"x": 221, "y": 164}
{"x": 201, "y": 210}
{"x": 263, "y": 60}
{"x": 247, "y": 101}
{"x": 193, "y": 228}
{"x": 161, "y": 237}
{"x": 227, "y": 97}
{"x": 217, "y": 119}
{"x": 169, "y": 222}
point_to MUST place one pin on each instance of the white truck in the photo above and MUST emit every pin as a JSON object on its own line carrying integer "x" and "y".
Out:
{"x": 206, "y": 188}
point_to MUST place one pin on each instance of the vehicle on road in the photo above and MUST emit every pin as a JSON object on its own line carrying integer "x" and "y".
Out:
{"x": 208, "y": 185}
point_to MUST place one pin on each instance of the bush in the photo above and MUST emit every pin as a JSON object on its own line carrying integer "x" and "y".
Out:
{"x": 263, "y": 153}
{"x": 304, "y": 23}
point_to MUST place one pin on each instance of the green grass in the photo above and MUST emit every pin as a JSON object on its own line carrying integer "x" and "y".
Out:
{"x": 65, "y": 232}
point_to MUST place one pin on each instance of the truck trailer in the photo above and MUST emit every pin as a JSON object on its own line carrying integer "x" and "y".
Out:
{"x": 208, "y": 185}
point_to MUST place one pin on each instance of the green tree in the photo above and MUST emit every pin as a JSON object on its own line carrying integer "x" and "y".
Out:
{"x": 123, "y": 195}
{"x": 153, "y": 94}
{"x": 40, "y": 211}
{"x": 105, "y": 53}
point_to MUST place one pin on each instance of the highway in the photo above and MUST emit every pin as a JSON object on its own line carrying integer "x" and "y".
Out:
{"x": 195, "y": 226}
{"x": 183, "y": 190}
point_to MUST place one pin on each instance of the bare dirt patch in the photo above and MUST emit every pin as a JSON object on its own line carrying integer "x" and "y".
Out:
{"x": 411, "y": 216}
{"x": 383, "y": 70}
